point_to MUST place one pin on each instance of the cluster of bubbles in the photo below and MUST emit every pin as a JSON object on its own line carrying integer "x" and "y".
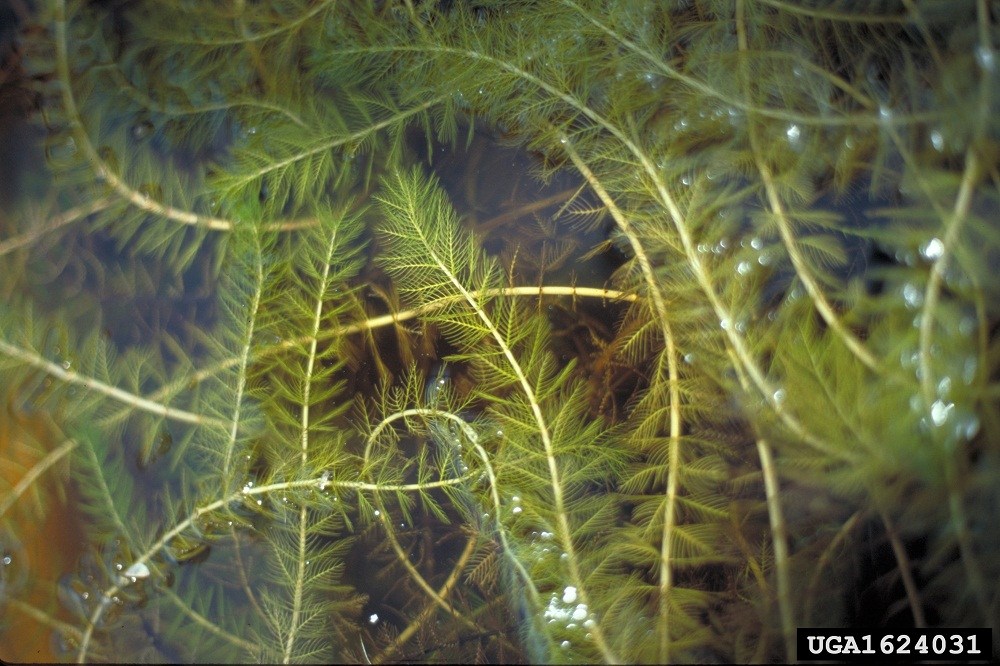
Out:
{"x": 83, "y": 592}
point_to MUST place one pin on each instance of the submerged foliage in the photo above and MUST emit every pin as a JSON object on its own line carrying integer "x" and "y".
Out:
{"x": 307, "y": 406}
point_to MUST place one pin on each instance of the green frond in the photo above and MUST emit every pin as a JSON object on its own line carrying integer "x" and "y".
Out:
{"x": 439, "y": 331}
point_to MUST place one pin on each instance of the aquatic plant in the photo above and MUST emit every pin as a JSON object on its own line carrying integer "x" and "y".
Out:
{"x": 306, "y": 406}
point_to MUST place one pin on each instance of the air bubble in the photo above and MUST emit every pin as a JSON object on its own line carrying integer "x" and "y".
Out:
{"x": 652, "y": 80}
{"x": 937, "y": 140}
{"x": 141, "y": 130}
{"x": 743, "y": 268}
{"x": 969, "y": 426}
{"x": 137, "y": 571}
{"x": 74, "y": 595}
{"x": 967, "y": 325}
{"x": 779, "y": 396}
{"x": 13, "y": 574}
{"x": 912, "y": 295}
{"x": 569, "y": 595}
{"x": 932, "y": 249}
{"x": 794, "y": 133}
{"x": 150, "y": 191}
{"x": 941, "y": 411}
{"x": 986, "y": 58}
{"x": 61, "y": 152}
{"x": 969, "y": 370}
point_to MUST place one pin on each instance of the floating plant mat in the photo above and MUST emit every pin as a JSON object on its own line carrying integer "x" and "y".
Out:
{"x": 500, "y": 331}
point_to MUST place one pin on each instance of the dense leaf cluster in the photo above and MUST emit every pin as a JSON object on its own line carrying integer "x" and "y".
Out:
{"x": 308, "y": 407}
